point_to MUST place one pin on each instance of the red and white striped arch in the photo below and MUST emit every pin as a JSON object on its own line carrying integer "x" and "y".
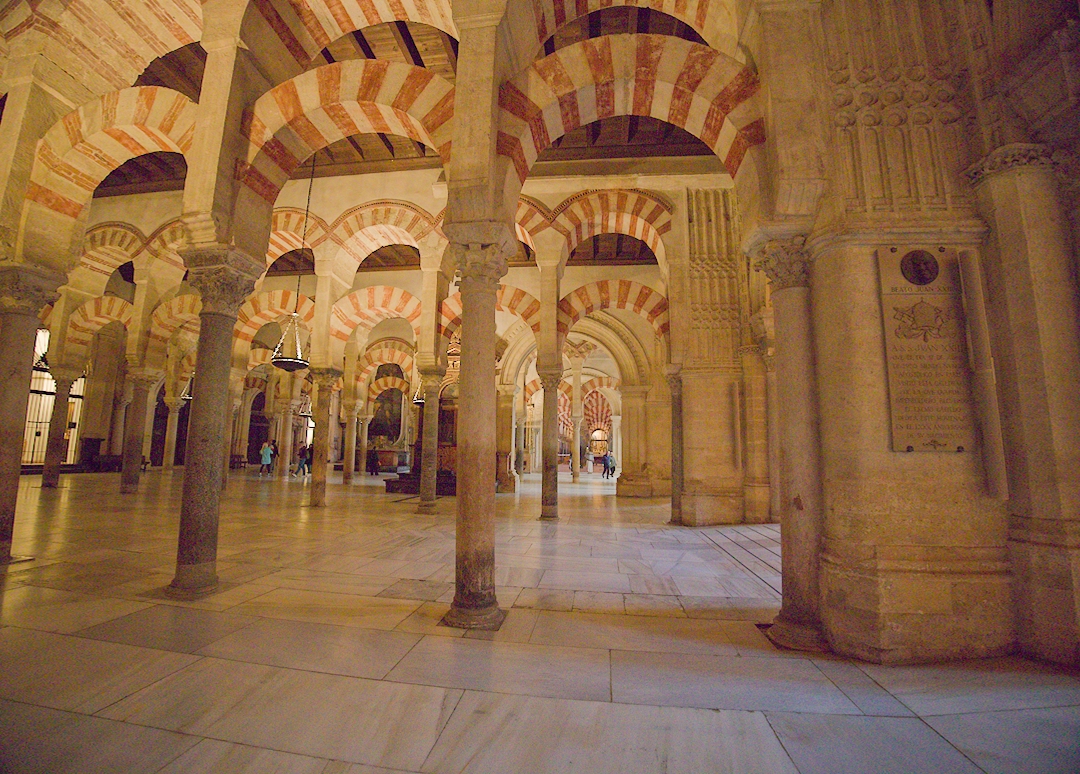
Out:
{"x": 168, "y": 317}
{"x": 566, "y": 414}
{"x": 507, "y": 299}
{"x": 81, "y": 149}
{"x": 614, "y": 294}
{"x": 685, "y": 84}
{"x": 107, "y": 246}
{"x": 635, "y": 213}
{"x": 715, "y": 20}
{"x": 258, "y": 356}
{"x": 600, "y": 383}
{"x": 368, "y": 307}
{"x": 91, "y": 317}
{"x": 395, "y": 352}
{"x": 305, "y": 27}
{"x": 165, "y": 243}
{"x": 597, "y": 412}
{"x": 303, "y": 115}
{"x": 364, "y": 229}
{"x": 109, "y": 44}
{"x": 566, "y": 390}
{"x": 270, "y": 306}
{"x": 380, "y": 386}
{"x": 287, "y": 232}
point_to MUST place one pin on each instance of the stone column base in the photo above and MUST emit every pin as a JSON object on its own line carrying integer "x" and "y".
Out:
{"x": 425, "y": 506}
{"x": 1046, "y": 579}
{"x": 793, "y": 636}
{"x": 193, "y": 581}
{"x": 633, "y": 487}
{"x": 487, "y": 619}
{"x": 756, "y": 503}
{"x": 702, "y": 510}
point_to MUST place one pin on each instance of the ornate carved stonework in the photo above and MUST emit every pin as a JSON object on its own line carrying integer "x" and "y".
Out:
{"x": 223, "y": 289}
{"x": 485, "y": 264}
{"x": 325, "y": 378}
{"x": 550, "y": 379}
{"x": 786, "y": 262}
{"x": 1009, "y": 157}
{"x": 27, "y": 290}
{"x": 713, "y": 275}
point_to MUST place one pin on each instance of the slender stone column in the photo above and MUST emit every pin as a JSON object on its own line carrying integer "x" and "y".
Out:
{"x": 288, "y": 434}
{"x": 773, "y": 411}
{"x": 365, "y": 422}
{"x": 119, "y": 420}
{"x": 23, "y": 293}
{"x": 519, "y": 447}
{"x": 575, "y": 451}
{"x": 349, "y": 463}
{"x": 756, "y": 458}
{"x": 135, "y": 430}
{"x": 429, "y": 462}
{"x": 504, "y": 441}
{"x": 674, "y": 380}
{"x": 325, "y": 379}
{"x": 615, "y": 441}
{"x": 56, "y": 448}
{"x": 475, "y": 605}
{"x": 171, "y": 425}
{"x": 549, "y": 497}
{"x": 798, "y": 625}
{"x": 224, "y": 278}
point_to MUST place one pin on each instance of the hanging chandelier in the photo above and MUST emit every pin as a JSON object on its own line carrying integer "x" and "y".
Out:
{"x": 289, "y": 353}
{"x": 418, "y": 396}
{"x": 186, "y": 394}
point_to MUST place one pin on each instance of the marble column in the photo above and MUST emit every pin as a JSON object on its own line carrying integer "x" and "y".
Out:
{"x": 224, "y": 279}
{"x": 23, "y": 293}
{"x": 171, "y": 425}
{"x": 674, "y": 380}
{"x": 575, "y": 449}
{"x": 325, "y": 379}
{"x": 119, "y": 420}
{"x": 1033, "y": 308}
{"x": 57, "y": 446}
{"x": 286, "y": 447}
{"x": 475, "y": 605}
{"x": 349, "y": 463}
{"x": 429, "y": 462}
{"x": 773, "y": 419}
{"x": 756, "y": 457}
{"x": 504, "y": 439}
{"x": 549, "y": 496}
{"x": 519, "y": 447}
{"x": 798, "y": 626}
{"x": 615, "y": 440}
{"x": 135, "y": 430}
{"x": 365, "y": 421}
{"x": 633, "y": 475}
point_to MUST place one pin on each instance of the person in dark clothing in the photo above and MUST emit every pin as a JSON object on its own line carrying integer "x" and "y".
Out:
{"x": 372, "y": 462}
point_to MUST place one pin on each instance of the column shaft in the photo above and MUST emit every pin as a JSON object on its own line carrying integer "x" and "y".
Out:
{"x": 349, "y": 463}
{"x": 171, "y": 426}
{"x": 19, "y": 331}
{"x": 324, "y": 380}
{"x": 549, "y": 497}
{"x": 429, "y": 462}
{"x": 56, "y": 448}
{"x": 677, "y": 474}
{"x": 475, "y": 605}
{"x": 196, "y": 557}
{"x": 287, "y": 445}
{"x": 134, "y": 431}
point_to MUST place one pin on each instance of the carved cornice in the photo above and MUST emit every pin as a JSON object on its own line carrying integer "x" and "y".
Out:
{"x": 1009, "y": 157}
{"x": 27, "y": 290}
{"x": 786, "y": 262}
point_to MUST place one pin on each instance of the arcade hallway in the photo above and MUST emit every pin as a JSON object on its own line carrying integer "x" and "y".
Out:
{"x": 630, "y": 647}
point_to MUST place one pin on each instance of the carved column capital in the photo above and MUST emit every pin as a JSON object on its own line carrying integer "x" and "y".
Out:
{"x": 64, "y": 373}
{"x": 550, "y": 379}
{"x": 1008, "y": 157}
{"x": 27, "y": 290}
{"x": 673, "y": 375}
{"x": 786, "y": 262}
{"x": 325, "y": 378}
{"x": 224, "y": 277}
{"x": 143, "y": 377}
{"x": 174, "y": 404}
{"x": 480, "y": 264}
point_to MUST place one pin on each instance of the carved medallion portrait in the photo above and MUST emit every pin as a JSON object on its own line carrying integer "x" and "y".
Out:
{"x": 919, "y": 267}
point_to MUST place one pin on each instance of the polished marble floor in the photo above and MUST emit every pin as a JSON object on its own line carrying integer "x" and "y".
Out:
{"x": 630, "y": 646}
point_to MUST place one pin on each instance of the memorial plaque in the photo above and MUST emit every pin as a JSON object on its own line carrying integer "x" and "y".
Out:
{"x": 926, "y": 351}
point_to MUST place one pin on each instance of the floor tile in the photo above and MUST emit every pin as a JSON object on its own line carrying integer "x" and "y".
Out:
{"x": 625, "y": 632}
{"x": 169, "y": 628}
{"x": 536, "y": 670}
{"x": 359, "y": 721}
{"x": 545, "y": 599}
{"x": 824, "y": 744}
{"x": 213, "y": 757}
{"x": 719, "y": 682}
{"x": 71, "y": 673}
{"x": 1034, "y": 741}
{"x": 528, "y": 735}
{"x": 54, "y": 610}
{"x": 868, "y": 696}
{"x": 315, "y": 647}
{"x": 977, "y": 686}
{"x": 37, "y": 740}
{"x": 322, "y": 607}
{"x": 585, "y": 581}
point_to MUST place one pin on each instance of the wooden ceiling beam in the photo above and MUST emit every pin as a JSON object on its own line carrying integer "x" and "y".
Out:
{"x": 404, "y": 39}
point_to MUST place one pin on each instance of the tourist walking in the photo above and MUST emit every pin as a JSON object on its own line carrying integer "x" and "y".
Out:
{"x": 266, "y": 458}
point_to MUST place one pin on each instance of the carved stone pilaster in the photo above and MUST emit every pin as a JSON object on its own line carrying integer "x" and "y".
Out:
{"x": 1009, "y": 157}
{"x": 786, "y": 262}
{"x": 27, "y": 289}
